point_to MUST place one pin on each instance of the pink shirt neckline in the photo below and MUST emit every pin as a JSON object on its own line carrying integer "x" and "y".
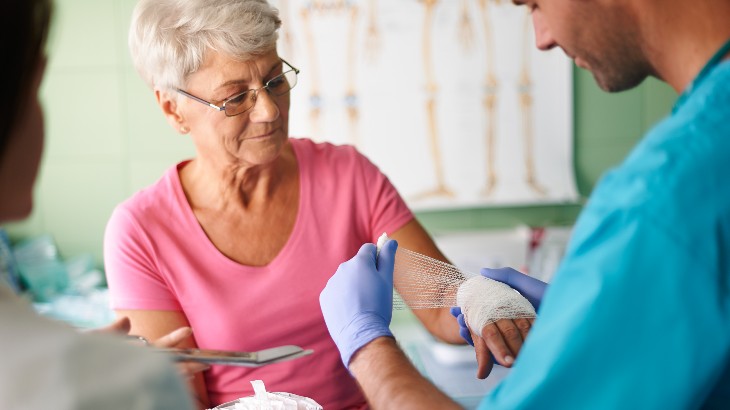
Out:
{"x": 203, "y": 238}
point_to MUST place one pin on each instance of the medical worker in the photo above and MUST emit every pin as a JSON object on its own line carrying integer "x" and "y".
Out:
{"x": 638, "y": 315}
{"x": 46, "y": 364}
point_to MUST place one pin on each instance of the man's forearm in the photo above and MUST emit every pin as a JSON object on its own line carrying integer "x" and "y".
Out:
{"x": 389, "y": 380}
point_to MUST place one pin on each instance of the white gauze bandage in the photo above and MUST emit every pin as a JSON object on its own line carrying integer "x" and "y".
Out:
{"x": 422, "y": 282}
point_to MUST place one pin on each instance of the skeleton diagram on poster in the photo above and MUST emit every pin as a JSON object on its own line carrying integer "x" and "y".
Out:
{"x": 449, "y": 98}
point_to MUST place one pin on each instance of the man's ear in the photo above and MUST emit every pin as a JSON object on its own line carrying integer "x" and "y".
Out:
{"x": 169, "y": 107}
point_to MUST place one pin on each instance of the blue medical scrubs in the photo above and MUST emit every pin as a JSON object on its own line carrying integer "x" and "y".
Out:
{"x": 638, "y": 315}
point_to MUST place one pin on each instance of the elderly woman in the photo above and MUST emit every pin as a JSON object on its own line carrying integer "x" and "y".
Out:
{"x": 239, "y": 241}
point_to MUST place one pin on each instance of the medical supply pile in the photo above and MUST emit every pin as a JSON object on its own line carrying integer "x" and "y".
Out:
{"x": 263, "y": 400}
{"x": 422, "y": 282}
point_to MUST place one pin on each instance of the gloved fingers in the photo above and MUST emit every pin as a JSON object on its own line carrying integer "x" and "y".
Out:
{"x": 497, "y": 345}
{"x": 367, "y": 251}
{"x": 461, "y": 319}
{"x": 503, "y": 275}
{"x": 464, "y": 330}
{"x": 531, "y": 288}
{"x": 514, "y": 278}
{"x": 357, "y": 302}
{"x": 485, "y": 361}
{"x": 466, "y": 335}
{"x": 386, "y": 256}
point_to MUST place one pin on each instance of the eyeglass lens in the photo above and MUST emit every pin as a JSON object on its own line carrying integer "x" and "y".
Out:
{"x": 277, "y": 86}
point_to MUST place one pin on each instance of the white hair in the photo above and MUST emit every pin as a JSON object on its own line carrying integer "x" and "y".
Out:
{"x": 168, "y": 39}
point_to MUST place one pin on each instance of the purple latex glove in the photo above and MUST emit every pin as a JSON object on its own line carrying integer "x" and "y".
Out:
{"x": 463, "y": 329}
{"x": 357, "y": 302}
{"x": 529, "y": 287}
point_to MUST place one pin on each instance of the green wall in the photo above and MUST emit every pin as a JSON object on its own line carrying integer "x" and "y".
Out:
{"x": 106, "y": 137}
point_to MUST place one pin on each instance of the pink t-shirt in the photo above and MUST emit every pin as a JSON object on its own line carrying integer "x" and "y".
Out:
{"x": 157, "y": 257}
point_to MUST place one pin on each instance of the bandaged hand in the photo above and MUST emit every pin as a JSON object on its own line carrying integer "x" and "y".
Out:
{"x": 503, "y": 339}
{"x": 529, "y": 287}
{"x": 357, "y": 302}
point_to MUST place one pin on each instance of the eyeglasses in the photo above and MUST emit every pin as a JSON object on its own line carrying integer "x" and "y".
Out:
{"x": 240, "y": 103}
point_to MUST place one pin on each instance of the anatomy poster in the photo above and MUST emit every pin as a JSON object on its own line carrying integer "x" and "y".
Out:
{"x": 449, "y": 98}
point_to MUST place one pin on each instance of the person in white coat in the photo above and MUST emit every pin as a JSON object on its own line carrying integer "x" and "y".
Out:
{"x": 46, "y": 364}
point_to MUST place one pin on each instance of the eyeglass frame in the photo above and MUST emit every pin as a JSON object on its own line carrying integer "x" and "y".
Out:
{"x": 222, "y": 107}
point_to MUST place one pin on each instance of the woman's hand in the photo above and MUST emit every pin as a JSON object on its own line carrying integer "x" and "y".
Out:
{"x": 500, "y": 341}
{"x": 120, "y": 326}
{"x": 173, "y": 339}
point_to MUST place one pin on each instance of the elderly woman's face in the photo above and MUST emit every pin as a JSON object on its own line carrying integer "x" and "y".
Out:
{"x": 254, "y": 137}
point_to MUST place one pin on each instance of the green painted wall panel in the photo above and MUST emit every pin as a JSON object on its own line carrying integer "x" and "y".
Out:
{"x": 659, "y": 98}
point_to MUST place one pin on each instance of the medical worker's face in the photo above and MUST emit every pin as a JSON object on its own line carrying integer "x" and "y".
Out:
{"x": 599, "y": 35}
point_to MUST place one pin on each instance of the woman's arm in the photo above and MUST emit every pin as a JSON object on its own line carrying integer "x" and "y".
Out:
{"x": 505, "y": 337}
{"x": 439, "y": 322}
{"x": 154, "y": 324}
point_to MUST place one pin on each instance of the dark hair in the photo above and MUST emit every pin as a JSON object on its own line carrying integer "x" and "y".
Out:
{"x": 23, "y": 31}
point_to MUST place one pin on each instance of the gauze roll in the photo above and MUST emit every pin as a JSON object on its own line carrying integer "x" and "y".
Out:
{"x": 422, "y": 282}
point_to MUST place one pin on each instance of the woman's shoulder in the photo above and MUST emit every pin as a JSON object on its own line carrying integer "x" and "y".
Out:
{"x": 155, "y": 198}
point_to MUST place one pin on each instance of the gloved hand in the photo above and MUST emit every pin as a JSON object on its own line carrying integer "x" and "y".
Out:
{"x": 529, "y": 287}
{"x": 357, "y": 302}
{"x": 463, "y": 328}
